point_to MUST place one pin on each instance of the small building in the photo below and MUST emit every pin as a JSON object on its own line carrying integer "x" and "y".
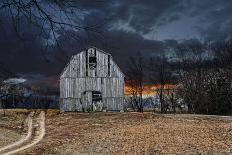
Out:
{"x": 92, "y": 81}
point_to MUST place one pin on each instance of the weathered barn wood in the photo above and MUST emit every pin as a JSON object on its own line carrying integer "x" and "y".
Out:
{"x": 92, "y": 81}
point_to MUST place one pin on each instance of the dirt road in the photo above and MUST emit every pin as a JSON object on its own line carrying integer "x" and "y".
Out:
{"x": 36, "y": 132}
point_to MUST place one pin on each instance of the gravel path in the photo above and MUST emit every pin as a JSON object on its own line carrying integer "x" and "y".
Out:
{"x": 36, "y": 132}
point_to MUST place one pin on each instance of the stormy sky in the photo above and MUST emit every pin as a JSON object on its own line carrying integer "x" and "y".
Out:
{"x": 121, "y": 27}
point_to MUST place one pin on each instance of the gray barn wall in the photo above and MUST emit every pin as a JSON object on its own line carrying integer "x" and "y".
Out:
{"x": 73, "y": 82}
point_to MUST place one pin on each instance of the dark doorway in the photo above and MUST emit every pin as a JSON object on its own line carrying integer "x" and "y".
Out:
{"x": 97, "y": 101}
{"x": 92, "y": 101}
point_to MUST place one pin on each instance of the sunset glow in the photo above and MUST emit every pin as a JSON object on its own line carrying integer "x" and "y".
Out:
{"x": 148, "y": 90}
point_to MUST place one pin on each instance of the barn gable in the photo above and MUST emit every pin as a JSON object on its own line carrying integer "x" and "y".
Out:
{"x": 80, "y": 65}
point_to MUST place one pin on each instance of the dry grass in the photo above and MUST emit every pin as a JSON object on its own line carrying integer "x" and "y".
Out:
{"x": 12, "y": 125}
{"x": 134, "y": 133}
{"x": 14, "y": 119}
{"x": 8, "y": 136}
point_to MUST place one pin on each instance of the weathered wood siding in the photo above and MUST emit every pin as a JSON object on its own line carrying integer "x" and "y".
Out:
{"x": 78, "y": 78}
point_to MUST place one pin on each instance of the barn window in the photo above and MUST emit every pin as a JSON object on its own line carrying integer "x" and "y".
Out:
{"x": 96, "y": 96}
{"x": 92, "y": 60}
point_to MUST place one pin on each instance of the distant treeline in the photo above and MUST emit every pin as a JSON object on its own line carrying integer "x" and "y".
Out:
{"x": 11, "y": 101}
{"x": 202, "y": 73}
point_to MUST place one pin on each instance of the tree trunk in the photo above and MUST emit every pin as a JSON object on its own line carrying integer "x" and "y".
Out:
{"x": 161, "y": 100}
{"x": 173, "y": 103}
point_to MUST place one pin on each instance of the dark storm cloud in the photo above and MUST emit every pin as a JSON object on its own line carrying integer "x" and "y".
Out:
{"x": 120, "y": 44}
{"x": 212, "y": 18}
{"x": 20, "y": 55}
{"x": 23, "y": 51}
{"x": 141, "y": 15}
{"x": 122, "y": 27}
{"x": 219, "y": 21}
{"x": 151, "y": 14}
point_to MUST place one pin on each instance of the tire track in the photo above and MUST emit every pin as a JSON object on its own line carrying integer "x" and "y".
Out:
{"x": 36, "y": 132}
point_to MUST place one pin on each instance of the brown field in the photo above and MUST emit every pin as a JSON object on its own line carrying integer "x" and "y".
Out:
{"x": 8, "y": 136}
{"x": 11, "y": 126}
{"x": 133, "y": 133}
{"x": 14, "y": 120}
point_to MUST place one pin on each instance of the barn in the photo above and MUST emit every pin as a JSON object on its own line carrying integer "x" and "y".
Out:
{"x": 92, "y": 81}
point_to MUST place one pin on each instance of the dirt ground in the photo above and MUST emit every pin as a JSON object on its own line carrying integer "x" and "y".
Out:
{"x": 8, "y": 136}
{"x": 11, "y": 126}
{"x": 134, "y": 133}
{"x": 13, "y": 120}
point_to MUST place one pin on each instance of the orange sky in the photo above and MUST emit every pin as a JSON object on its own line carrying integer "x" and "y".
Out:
{"x": 148, "y": 90}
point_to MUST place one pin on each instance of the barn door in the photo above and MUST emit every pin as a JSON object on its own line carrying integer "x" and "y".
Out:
{"x": 92, "y": 101}
{"x": 97, "y": 101}
{"x": 86, "y": 100}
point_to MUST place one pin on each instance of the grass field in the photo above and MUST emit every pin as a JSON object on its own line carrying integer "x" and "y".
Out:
{"x": 134, "y": 133}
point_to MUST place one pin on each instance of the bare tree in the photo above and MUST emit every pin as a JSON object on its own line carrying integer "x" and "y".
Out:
{"x": 200, "y": 75}
{"x": 135, "y": 76}
{"x": 4, "y": 74}
{"x": 223, "y": 65}
{"x": 51, "y": 19}
{"x": 160, "y": 74}
{"x": 192, "y": 74}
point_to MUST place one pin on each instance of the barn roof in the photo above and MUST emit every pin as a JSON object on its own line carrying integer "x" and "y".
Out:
{"x": 99, "y": 51}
